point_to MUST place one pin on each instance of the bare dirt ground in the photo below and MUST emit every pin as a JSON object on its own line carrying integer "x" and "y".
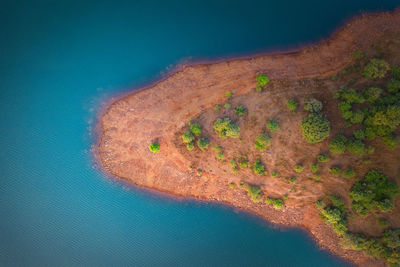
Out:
{"x": 162, "y": 112}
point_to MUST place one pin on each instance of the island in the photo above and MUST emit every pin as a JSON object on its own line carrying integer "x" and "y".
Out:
{"x": 306, "y": 138}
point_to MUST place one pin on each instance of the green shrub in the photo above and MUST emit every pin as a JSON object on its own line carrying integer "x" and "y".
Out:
{"x": 390, "y": 140}
{"x": 262, "y": 79}
{"x": 313, "y": 105}
{"x": 335, "y": 171}
{"x": 190, "y": 146}
{"x": 338, "y": 144}
{"x": 154, "y": 147}
{"x": 396, "y": 72}
{"x": 244, "y": 163}
{"x": 258, "y": 167}
{"x": 195, "y": 128}
{"x": 228, "y": 95}
{"x": 382, "y": 222}
{"x": 374, "y": 192}
{"x": 253, "y": 191}
{"x": 226, "y": 128}
{"x": 203, "y": 143}
{"x": 262, "y": 142}
{"x": 315, "y": 128}
{"x": 277, "y": 203}
{"x": 217, "y": 107}
{"x": 292, "y": 104}
{"x": 234, "y": 166}
{"x": 292, "y": 180}
{"x": 376, "y": 68}
{"x": 350, "y": 95}
{"x": 349, "y": 173}
{"x": 187, "y": 137}
{"x": 358, "y": 55}
{"x": 220, "y": 156}
{"x": 372, "y": 94}
{"x": 345, "y": 109}
{"x": 227, "y": 106}
{"x": 217, "y": 148}
{"x": 317, "y": 176}
{"x": 272, "y": 125}
{"x": 356, "y": 147}
{"x": 334, "y": 214}
{"x": 274, "y": 174}
{"x": 314, "y": 167}
{"x": 298, "y": 168}
{"x": 232, "y": 185}
{"x": 357, "y": 117}
{"x": 323, "y": 157}
{"x": 240, "y": 110}
{"x": 359, "y": 134}
{"x": 393, "y": 86}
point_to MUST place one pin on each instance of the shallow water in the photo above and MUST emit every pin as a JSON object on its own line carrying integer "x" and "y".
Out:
{"x": 59, "y": 61}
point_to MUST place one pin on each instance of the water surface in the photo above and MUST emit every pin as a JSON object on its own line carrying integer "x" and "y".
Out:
{"x": 59, "y": 60}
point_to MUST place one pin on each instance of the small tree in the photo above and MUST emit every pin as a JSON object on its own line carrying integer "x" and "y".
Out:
{"x": 262, "y": 142}
{"x": 226, "y": 128}
{"x": 376, "y": 68}
{"x": 187, "y": 137}
{"x": 262, "y": 80}
{"x": 240, "y": 110}
{"x": 313, "y": 105}
{"x": 203, "y": 143}
{"x": 154, "y": 147}
{"x": 272, "y": 125}
{"x": 338, "y": 144}
{"x": 393, "y": 86}
{"x": 315, "y": 128}
{"x": 195, "y": 128}
{"x": 258, "y": 167}
{"x": 292, "y": 105}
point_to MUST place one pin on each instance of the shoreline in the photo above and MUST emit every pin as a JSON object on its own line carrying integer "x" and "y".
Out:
{"x": 125, "y": 102}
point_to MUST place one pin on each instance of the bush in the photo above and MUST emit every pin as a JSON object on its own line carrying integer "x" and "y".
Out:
{"x": 203, "y": 143}
{"x": 227, "y": 106}
{"x": 338, "y": 144}
{"x": 335, "y": 171}
{"x": 190, "y": 146}
{"x": 258, "y": 167}
{"x": 323, "y": 157}
{"x": 232, "y": 185}
{"x": 274, "y": 174}
{"x": 187, "y": 137}
{"x": 357, "y": 117}
{"x": 374, "y": 192}
{"x": 390, "y": 140}
{"x": 234, "y": 166}
{"x": 350, "y": 95}
{"x": 292, "y": 180}
{"x": 228, "y": 95}
{"x": 313, "y": 105}
{"x": 278, "y": 203}
{"x": 262, "y": 80}
{"x": 240, "y": 110}
{"x": 314, "y": 167}
{"x": 195, "y": 128}
{"x": 334, "y": 214}
{"x": 382, "y": 222}
{"x": 217, "y": 107}
{"x": 272, "y": 125}
{"x": 349, "y": 173}
{"x": 393, "y": 86}
{"x": 358, "y": 55}
{"x": 376, "y": 68}
{"x": 396, "y": 72}
{"x": 315, "y": 128}
{"x": 154, "y": 147}
{"x": 356, "y": 147}
{"x": 359, "y": 134}
{"x": 345, "y": 109}
{"x": 262, "y": 142}
{"x": 226, "y": 128}
{"x": 292, "y": 104}
{"x": 372, "y": 94}
{"x": 220, "y": 156}
{"x": 253, "y": 191}
{"x": 298, "y": 168}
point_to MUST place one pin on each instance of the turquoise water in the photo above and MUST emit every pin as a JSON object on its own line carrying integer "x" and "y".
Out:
{"x": 59, "y": 60}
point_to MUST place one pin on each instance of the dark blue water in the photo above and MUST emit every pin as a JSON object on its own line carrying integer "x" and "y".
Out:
{"x": 59, "y": 60}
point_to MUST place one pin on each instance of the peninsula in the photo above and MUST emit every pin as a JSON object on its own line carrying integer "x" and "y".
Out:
{"x": 305, "y": 139}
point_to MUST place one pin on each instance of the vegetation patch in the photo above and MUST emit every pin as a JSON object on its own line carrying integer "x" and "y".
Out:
{"x": 203, "y": 143}
{"x": 372, "y": 193}
{"x": 258, "y": 167}
{"x": 315, "y": 128}
{"x": 272, "y": 125}
{"x": 240, "y": 110}
{"x": 338, "y": 144}
{"x": 277, "y": 203}
{"x": 154, "y": 147}
{"x": 262, "y": 142}
{"x": 254, "y": 191}
{"x": 226, "y": 128}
